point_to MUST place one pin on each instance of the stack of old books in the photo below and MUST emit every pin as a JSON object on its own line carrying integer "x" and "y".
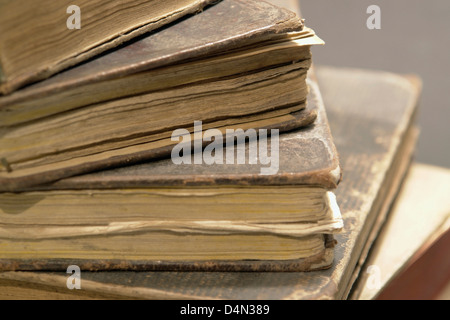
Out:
{"x": 190, "y": 136}
{"x": 163, "y": 135}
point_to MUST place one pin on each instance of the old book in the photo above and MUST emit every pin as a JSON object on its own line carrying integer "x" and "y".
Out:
{"x": 37, "y": 38}
{"x": 220, "y": 67}
{"x": 406, "y": 261}
{"x": 163, "y": 215}
{"x": 371, "y": 116}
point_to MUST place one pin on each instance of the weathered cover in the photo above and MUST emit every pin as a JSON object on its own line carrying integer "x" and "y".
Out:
{"x": 9, "y": 84}
{"x": 412, "y": 234}
{"x": 371, "y": 115}
{"x": 253, "y": 21}
{"x": 235, "y": 24}
{"x": 308, "y": 157}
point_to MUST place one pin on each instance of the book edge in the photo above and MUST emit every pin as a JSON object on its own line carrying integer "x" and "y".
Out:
{"x": 13, "y": 85}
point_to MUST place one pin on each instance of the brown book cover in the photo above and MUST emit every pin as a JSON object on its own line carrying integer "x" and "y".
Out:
{"x": 307, "y": 157}
{"x": 308, "y": 161}
{"x": 122, "y": 107}
{"x": 28, "y": 56}
{"x": 371, "y": 117}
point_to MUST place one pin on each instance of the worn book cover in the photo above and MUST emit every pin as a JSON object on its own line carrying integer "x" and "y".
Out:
{"x": 414, "y": 241}
{"x": 371, "y": 116}
{"x": 189, "y": 216}
{"x": 41, "y": 38}
{"x": 123, "y": 107}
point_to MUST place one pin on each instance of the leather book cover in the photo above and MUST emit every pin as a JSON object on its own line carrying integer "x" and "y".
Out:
{"x": 372, "y": 119}
{"x": 413, "y": 240}
{"x": 307, "y": 157}
{"x": 254, "y": 24}
{"x": 37, "y": 39}
{"x": 236, "y": 24}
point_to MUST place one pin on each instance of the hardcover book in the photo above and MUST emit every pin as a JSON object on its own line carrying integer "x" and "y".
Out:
{"x": 41, "y": 38}
{"x": 414, "y": 241}
{"x": 192, "y": 217}
{"x": 220, "y": 67}
{"x": 372, "y": 118}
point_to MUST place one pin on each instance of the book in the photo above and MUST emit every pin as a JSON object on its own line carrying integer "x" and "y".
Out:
{"x": 124, "y": 106}
{"x": 163, "y": 215}
{"x": 408, "y": 260}
{"x": 372, "y": 119}
{"x": 38, "y": 39}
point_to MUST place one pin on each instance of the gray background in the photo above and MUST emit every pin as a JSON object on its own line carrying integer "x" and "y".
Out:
{"x": 414, "y": 38}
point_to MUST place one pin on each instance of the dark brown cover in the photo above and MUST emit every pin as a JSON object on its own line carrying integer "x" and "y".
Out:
{"x": 372, "y": 120}
{"x": 252, "y": 21}
{"x": 92, "y": 49}
{"x": 307, "y": 157}
{"x": 236, "y": 24}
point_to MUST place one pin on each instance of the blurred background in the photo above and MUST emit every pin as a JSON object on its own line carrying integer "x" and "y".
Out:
{"x": 414, "y": 38}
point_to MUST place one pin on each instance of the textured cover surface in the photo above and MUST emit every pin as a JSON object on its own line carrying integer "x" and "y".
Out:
{"x": 90, "y": 49}
{"x": 420, "y": 216}
{"x": 253, "y": 21}
{"x": 370, "y": 116}
{"x": 307, "y": 157}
